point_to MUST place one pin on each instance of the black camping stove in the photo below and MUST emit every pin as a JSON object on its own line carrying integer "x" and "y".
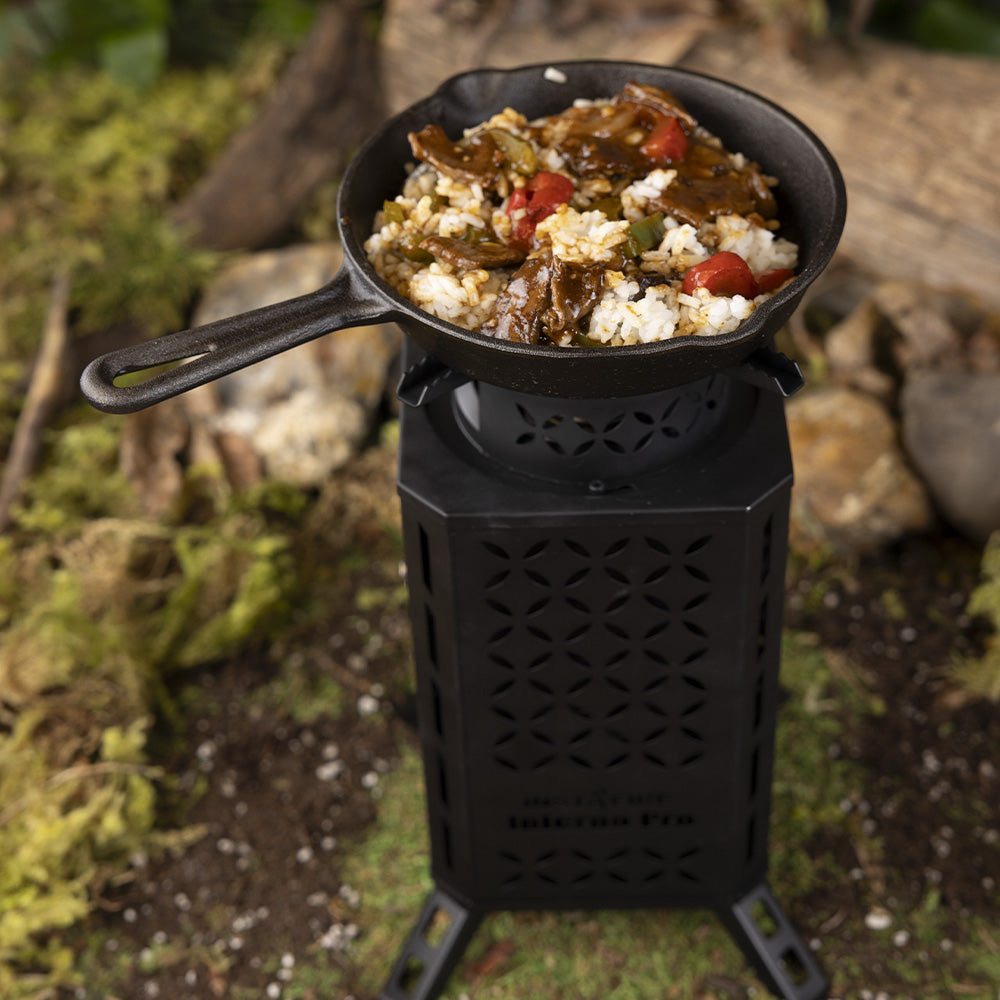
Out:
{"x": 596, "y": 592}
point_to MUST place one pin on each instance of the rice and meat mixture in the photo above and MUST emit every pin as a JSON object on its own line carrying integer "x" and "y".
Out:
{"x": 617, "y": 221}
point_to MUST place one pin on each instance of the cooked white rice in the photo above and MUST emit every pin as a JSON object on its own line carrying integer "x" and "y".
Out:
{"x": 433, "y": 204}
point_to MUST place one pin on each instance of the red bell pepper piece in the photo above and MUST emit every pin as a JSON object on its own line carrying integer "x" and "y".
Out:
{"x": 723, "y": 273}
{"x": 768, "y": 281}
{"x": 547, "y": 191}
{"x": 539, "y": 198}
{"x": 667, "y": 142}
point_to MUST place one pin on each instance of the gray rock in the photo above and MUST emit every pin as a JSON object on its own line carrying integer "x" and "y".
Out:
{"x": 851, "y": 352}
{"x": 951, "y": 431}
{"x": 853, "y": 490}
{"x": 926, "y": 336}
{"x": 305, "y": 411}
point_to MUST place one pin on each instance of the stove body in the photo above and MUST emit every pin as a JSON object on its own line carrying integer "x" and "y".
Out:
{"x": 596, "y": 591}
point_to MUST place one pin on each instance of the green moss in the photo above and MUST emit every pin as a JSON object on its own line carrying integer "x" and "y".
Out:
{"x": 89, "y": 171}
{"x": 303, "y": 695}
{"x": 98, "y": 603}
{"x": 80, "y": 478}
{"x": 980, "y": 677}
{"x": 97, "y": 612}
{"x": 61, "y": 832}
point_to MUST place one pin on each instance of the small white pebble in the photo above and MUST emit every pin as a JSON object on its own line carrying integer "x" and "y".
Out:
{"x": 554, "y": 75}
{"x": 330, "y": 771}
{"x": 367, "y": 705}
{"x": 235, "y": 943}
{"x": 328, "y": 843}
{"x": 273, "y": 991}
{"x": 304, "y": 855}
{"x": 369, "y": 780}
{"x": 878, "y": 919}
{"x": 901, "y": 939}
{"x": 130, "y": 916}
{"x": 350, "y": 895}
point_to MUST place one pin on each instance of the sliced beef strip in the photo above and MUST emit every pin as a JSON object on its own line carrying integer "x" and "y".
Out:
{"x": 468, "y": 256}
{"x": 474, "y": 162}
{"x": 521, "y": 305}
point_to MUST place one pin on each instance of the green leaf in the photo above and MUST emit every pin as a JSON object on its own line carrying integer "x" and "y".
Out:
{"x": 958, "y": 26}
{"x": 136, "y": 59}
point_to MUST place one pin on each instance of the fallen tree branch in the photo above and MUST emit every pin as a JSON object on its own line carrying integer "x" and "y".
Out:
{"x": 44, "y": 393}
{"x": 328, "y": 99}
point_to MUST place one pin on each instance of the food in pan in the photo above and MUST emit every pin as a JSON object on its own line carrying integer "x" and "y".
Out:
{"x": 615, "y": 221}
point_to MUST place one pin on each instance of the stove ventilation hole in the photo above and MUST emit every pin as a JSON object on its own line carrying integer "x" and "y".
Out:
{"x": 620, "y": 433}
{"x": 573, "y": 867}
{"x": 425, "y": 559}
{"x": 430, "y": 627}
{"x": 763, "y": 640}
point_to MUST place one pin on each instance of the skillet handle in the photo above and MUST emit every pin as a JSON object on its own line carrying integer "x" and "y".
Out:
{"x": 229, "y": 344}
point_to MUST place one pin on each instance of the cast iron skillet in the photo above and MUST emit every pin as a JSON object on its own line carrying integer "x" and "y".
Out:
{"x": 811, "y": 200}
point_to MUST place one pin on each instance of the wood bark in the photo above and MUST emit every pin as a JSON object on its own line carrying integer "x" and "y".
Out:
{"x": 327, "y": 101}
{"x": 915, "y": 133}
{"x": 44, "y": 394}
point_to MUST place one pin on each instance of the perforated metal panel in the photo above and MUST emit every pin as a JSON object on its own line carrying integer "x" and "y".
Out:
{"x": 603, "y": 439}
{"x": 596, "y": 672}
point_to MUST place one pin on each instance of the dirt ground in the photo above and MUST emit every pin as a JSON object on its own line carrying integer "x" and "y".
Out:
{"x": 278, "y": 798}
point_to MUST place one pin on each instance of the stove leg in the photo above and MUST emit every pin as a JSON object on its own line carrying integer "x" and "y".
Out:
{"x": 784, "y": 963}
{"x": 433, "y": 949}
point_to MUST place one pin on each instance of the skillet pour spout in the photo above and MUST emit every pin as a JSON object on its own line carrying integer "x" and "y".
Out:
{"x": 812, "y": 207}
